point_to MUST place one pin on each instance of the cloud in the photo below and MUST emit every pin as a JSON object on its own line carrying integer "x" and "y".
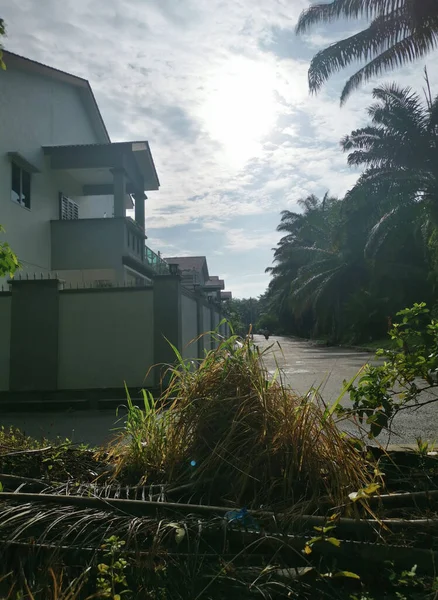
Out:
{"x": 242, "y": 240}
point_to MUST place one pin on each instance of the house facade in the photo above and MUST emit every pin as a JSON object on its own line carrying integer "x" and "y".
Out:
{"x": 93, "y": 306}
{"x": 62, "y": 180}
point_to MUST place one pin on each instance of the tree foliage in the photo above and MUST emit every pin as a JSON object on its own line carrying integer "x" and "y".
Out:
{"x": 346, "y": 266}
{"x": 400, "y": 31}
{"x": 2, "y": 33}
{"x": 8, "y": 260}
{"x": 409, "y": 370}
{"x": 243, "y": 314}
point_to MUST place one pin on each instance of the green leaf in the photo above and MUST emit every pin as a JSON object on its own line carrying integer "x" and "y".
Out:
{"x": 333, "y": 541}
{"x": 324, "y": 529}
{"x": 179, "y": 535}
{"x": 348, "y": 574}
{"x": 102, "y": 568}
{"x": 372, "y": 488}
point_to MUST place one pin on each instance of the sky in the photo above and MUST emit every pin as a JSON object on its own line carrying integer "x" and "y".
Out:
{"x": 219, "y": 89}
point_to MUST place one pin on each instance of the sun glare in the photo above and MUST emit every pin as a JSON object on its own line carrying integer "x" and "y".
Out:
{"x": 240, "y": 108}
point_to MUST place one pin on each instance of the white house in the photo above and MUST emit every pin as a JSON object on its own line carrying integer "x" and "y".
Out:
{"x": 64, "y": 187}
{"x": 93, "y": 306}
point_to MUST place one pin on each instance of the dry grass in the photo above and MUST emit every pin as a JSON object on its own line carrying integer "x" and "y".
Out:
{"x": 237, "y": 437}
{"x": 52, "y": 587}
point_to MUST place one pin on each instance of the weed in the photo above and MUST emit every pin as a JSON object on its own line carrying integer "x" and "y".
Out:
{"x": 111, "y": 582}
{"x": 232, "y": 434}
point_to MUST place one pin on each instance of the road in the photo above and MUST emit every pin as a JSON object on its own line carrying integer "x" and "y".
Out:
{"x": 303, "y": 366}
{"x": 306, "y": 365}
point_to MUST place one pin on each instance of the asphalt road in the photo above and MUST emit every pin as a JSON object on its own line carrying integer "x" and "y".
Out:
{"x": 303, "y": 366}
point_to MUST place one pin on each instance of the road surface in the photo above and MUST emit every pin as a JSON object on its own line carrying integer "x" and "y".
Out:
{"x": 306, "y": 365}
{"x": 303, "y": 365}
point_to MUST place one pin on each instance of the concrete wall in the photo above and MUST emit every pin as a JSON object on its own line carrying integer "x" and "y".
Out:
{"x": 189, "y": 326}
{"x": 37, "y": 111}
{"x": 167, "y": 319}
{"x": 105, "y": 338}
{"x": 71, "y": 339}
{"x": 5, "y": 338}
{"x": 87, "y": 243}
{"x": 34, "y": 335}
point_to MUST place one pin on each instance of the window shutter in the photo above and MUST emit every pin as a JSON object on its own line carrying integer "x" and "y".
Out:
{"x": 69, "y": 209}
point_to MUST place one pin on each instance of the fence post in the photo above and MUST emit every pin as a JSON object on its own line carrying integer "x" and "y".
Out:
{"x": 167, "y": 319}
{"x": 200, "y": 325}
{"x": 212, "y": 326}
{"x": 34, "y": 335}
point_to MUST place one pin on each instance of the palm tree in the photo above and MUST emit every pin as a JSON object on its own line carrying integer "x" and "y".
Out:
{"x": 326, "y": 282}
{"x": 315, "y": 264}
{"x": 399, "y": 188}
{"x": 400, "y": 31}
{"x": 400, "y": 152}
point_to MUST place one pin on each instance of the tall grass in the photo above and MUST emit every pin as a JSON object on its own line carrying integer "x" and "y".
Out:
{"x": 236, "y": 437}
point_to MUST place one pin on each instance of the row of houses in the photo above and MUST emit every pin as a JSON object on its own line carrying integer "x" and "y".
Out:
{"x": 93, "y": 306}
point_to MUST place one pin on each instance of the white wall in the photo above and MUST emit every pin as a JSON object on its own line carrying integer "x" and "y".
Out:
{"x": 84, "y": 277}
{"x": 105, "y": 338}
{"x": 96, "y": 207}
{"x": 5, "y": 336}
{"x": 99, "y": 207}
{"x": 189, "y": 327}
{"x": 36, "y": 111}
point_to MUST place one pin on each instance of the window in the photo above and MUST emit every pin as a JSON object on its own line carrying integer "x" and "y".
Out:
{"x": 20, "y": 185}
{"x": 69, "y": 209}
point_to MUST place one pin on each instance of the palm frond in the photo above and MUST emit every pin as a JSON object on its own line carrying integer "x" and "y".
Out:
{"x": 399, "y": 222}
{"x": 400, "y": 31}
{"x": 346, "y": 9}
{"x": 383, "y": 32}
{"x": 411, "y": 48}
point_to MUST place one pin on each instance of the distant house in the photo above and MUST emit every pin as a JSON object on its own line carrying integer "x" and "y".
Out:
{"x": 195, "y": 275}
{"x": 93, "y": 305}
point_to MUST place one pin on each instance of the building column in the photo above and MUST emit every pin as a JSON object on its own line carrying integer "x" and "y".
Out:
{"x": 167, "y": 320}
{"x": 200, "y": 325}
{"x": 139, "y": 209}
{"x": 34, "y": 335}
{"x": 119, "y": 192}
{"x": 212, "y": 326}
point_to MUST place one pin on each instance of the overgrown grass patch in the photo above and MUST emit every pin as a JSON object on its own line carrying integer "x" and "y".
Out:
{"x": 231, "y": 434}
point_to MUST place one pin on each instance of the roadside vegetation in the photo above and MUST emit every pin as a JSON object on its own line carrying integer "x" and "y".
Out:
{"x": 346, "y": 266}
{"x": 227, "y": 485}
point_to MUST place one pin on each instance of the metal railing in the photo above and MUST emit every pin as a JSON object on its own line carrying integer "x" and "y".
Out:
{"x": 154, "y": 260}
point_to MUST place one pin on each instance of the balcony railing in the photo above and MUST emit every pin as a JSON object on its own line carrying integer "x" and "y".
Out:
{"x": 155, "y": 262}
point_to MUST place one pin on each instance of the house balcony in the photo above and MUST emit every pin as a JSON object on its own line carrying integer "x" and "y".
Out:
{"x": 112, "y": 169}
{"x": 111, "y": 245}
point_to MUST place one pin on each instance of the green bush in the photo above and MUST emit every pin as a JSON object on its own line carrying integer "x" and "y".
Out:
{"x": 407, "y": 371}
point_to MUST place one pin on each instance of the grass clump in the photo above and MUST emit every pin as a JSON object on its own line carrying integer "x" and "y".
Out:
{"x": 61, "y": 460}
{"x": 232, "y": 435}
